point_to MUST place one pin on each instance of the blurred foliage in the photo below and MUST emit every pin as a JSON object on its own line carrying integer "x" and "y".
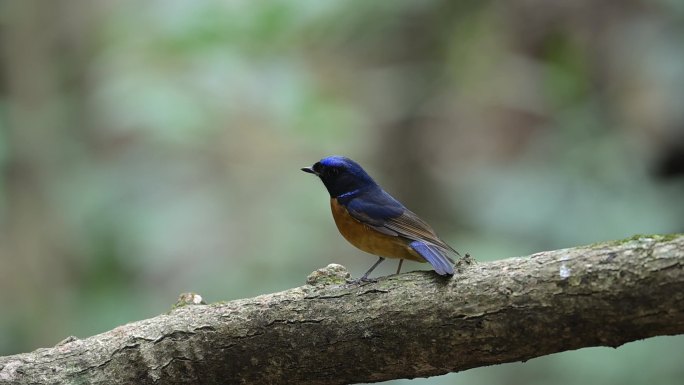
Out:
{"x": 149, "y": 149}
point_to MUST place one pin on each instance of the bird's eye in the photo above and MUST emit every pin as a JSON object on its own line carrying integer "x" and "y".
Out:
{"x": 334, "y": 171}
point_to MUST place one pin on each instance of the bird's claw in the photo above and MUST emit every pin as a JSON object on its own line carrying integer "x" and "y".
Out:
{"x": 361, "y": 280}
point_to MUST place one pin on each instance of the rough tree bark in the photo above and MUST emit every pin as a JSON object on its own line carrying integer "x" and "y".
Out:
{"x": 403, "y": 326}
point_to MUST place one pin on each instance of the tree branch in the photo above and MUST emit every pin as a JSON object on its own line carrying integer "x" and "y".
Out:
{"x": 403, "y": 326}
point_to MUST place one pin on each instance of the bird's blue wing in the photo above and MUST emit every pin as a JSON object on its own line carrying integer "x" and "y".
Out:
{"x": 410, "y": 226}
{"x": 381, "y": 211}
{"x": 375, "y": 208}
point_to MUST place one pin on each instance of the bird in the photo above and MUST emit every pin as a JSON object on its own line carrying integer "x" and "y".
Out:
{"x": 372, "y": 220}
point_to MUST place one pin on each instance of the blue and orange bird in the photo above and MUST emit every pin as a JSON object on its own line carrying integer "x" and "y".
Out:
{"x": 375, "y": 222}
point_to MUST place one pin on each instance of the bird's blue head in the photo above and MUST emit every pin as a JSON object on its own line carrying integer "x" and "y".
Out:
{"x": 340, "y": 175}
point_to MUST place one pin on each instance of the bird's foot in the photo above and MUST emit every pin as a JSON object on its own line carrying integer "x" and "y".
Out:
{"x": 361, "y": 280}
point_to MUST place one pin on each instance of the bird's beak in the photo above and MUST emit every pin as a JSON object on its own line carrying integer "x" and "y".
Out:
{"x": 309, "y": 170}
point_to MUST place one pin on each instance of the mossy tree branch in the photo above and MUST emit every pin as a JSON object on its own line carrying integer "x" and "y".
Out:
{"x": 404, "y": 326}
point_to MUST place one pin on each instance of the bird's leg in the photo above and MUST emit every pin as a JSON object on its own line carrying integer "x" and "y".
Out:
{"x": 365, "y": 276}
{"x": 399, "y": 268}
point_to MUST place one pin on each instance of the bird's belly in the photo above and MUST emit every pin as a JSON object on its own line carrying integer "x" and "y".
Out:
{"x": 368, "y": 239}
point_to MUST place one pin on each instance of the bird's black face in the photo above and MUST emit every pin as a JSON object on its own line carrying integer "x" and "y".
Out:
{"x": 340, "y": 175}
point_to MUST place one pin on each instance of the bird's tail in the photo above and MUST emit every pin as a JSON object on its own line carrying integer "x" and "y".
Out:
{"x": 436, "y": 256}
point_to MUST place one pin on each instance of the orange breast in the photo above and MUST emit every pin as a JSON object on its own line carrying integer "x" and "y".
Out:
{"x": 368, "y": 239}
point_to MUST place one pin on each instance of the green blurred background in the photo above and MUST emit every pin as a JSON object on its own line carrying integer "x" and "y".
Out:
{"x": 153, "y": 148}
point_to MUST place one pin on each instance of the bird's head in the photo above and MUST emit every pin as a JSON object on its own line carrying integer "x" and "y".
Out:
{"x": 340, "y": 175}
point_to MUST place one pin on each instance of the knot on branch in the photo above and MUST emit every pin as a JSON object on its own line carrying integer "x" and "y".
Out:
{"x": 11, "y": 370}
{"x": 333, "y": 274}
{"x": 189, "y": 299}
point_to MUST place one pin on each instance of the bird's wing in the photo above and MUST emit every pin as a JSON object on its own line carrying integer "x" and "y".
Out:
{"x": 381, "y": 211}
{"x": 410, "y": 226}
{"x": 373, "y": 208}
